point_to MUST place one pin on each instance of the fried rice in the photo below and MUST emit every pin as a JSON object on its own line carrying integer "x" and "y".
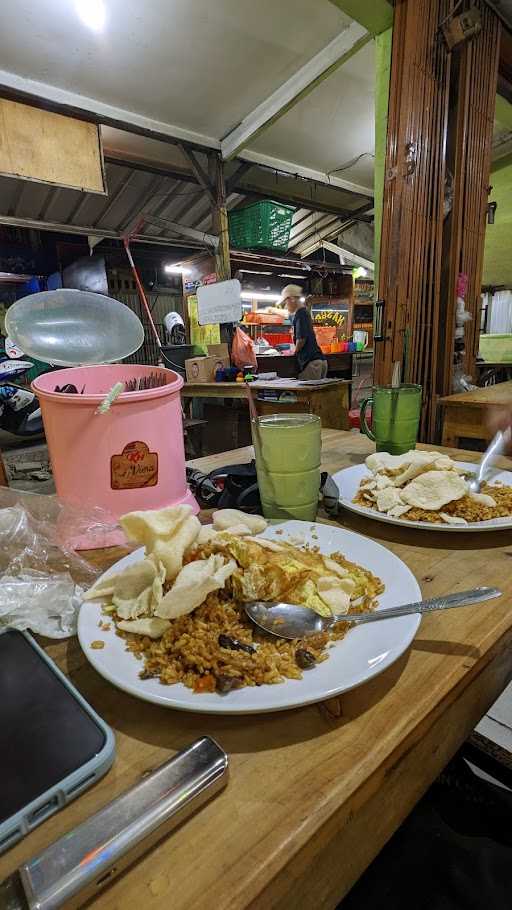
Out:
{"x": 466, "y": 507}
{"x": 191, "y": 651}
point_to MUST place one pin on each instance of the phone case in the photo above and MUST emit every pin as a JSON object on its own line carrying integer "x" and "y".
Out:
{"x": 45, "y": 805}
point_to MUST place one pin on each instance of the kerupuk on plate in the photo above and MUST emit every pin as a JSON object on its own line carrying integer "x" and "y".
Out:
{"x": 179, "y": 607}
{"x": 422, "y": 486}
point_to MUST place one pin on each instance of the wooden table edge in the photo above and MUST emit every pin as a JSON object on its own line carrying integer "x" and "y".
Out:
{"x": 345, "y": 824}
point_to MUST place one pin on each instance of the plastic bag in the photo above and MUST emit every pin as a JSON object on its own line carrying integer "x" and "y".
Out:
{"x": 41, "y": 577}
{"x": 242, "y": 351}
{"x": 462, "y": 382}
{"x": 47, "y": 604}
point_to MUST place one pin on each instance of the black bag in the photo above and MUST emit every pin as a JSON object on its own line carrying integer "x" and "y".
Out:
{"x": 232, "y": 487}
{"x": 236, "y": 487}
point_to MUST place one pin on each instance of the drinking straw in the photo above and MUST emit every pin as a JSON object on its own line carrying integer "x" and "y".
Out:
{"x": 395, "y": 382}
{"x": 250, "y": 401}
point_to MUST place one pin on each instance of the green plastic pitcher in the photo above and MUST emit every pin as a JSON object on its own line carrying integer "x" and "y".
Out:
{"x": 396, "y": 414}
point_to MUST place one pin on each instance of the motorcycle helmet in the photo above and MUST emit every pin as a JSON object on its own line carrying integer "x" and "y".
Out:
{"x": 175, "y": 328}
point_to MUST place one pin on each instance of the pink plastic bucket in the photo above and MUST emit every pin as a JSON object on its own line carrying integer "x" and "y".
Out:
{"x": 128, "y": 459}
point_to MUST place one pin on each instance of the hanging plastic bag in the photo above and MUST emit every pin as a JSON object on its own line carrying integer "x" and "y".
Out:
{"x": 242, "y": 351}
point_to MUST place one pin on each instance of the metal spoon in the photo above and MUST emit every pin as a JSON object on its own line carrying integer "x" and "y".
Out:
{"x": 495, "y": 448}
{"x": 291, "y": 621}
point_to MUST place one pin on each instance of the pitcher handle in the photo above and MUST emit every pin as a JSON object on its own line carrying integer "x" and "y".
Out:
{"x": 364, "y": 428}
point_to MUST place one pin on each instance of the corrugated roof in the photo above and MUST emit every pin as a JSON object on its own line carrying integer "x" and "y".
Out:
{"x": 134, "y": 191}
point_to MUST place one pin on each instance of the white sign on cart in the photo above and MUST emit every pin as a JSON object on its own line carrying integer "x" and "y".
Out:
{"x": 219, "y": 302}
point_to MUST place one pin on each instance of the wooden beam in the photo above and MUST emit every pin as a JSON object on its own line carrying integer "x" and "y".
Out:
{"x": 199, "y": 173}
{"x": 137, "y": 210}
{"x": 182, "y": 229}
{"x": 329, "y": 59}
{"x": 15, "y": 204}
{"x": 121, "y": 190}
{"x": 51, "y": 98}
{"x": 291, "y": 198}
{"x": 148, "y": 167}
{"x": 375, "y": 15}
{"x": 220, "y": 225}
{"x": 61, "y": 228}
{"x": 78, "y": 207}
{"x": 262, "y": 165}
{"x": 307, "y": 173}
{"x": 243, "y": 168}
{"x": 350, "y": 253}
{"x": 312, "y": 230}
{"x": 49, "y": 198}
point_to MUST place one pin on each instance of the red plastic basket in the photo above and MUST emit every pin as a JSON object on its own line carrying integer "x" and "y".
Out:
{"x": 278, "y": 338}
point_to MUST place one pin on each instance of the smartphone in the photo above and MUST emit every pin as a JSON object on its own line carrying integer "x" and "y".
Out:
{"x": 54, "y": 746}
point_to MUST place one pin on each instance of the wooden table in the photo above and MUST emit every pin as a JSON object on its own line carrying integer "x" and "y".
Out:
{"x": 330, "y": 400}
{"x": 466, "y": 414}
{"x": 314, "y": 793}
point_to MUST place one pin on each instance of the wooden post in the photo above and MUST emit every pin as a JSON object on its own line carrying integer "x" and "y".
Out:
{"x": 220, "y": 217}
{"x": 440, "y": 120}
{"x": 220, "y": 226}
{"x": 383, "y": 70}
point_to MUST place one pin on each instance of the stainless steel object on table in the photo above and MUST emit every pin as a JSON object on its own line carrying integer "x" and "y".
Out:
{"x": 76, "y": 867}
{"x": 289, "y": 621}
{"x": 496, "y": 447}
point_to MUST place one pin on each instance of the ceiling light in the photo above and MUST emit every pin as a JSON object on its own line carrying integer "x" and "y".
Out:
{"x": 289, "y": 275}
{"x": 176, "y": 269}
{"x": 256, "y": 295}
{"x": 254, "y": 272}
{"x": 92, "y": 13}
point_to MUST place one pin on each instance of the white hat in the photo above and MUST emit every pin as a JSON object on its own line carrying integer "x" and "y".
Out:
{"x": 291, "y": 290}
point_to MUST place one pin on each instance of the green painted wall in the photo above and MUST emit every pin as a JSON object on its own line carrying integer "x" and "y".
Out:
{"x": 382, "y": 73}
{"x": 498, "y": 236}
{"x": 503, "y": 112}
{"x": 375, "y": 15}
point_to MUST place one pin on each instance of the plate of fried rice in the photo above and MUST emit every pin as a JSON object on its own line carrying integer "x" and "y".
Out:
{"x": 427, "y": 490}
{"x": 166, "y": 624}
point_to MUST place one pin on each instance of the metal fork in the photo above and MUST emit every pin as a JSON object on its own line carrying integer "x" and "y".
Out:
{"x": 496, "y": 448}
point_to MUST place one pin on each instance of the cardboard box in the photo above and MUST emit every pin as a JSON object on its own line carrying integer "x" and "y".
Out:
{"x": 220, "y": 353}
{"x": 200, "y": 369}
{"x": 218, "y": 350}
{"x": 221, "y": 363}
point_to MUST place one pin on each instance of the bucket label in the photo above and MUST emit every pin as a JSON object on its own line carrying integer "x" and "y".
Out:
{"x": 135, "y": 467}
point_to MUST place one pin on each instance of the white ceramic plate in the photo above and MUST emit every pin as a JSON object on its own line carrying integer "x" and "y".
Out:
{"x": 349, "y": 479}
{"x": 366, "y": 650}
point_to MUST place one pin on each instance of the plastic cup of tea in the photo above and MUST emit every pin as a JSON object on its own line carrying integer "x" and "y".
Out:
{"x": 288, "y": 449}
